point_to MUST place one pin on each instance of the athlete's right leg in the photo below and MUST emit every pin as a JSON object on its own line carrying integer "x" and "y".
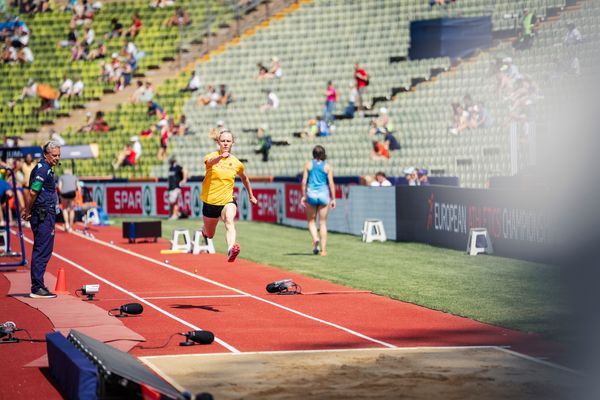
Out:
{"x": 210, "y": 226}
{"x": 323, "y": 211}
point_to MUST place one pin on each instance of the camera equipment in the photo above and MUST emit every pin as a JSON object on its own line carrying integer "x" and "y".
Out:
{"x": 285, "y": 286}
{"x": 89, "y": 290}
{"x": 7, "y": 329}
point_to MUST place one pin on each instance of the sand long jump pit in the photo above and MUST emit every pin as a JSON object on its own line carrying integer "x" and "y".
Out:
{"x": 407, "y": 373}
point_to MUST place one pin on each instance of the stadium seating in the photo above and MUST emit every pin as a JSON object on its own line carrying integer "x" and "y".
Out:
{"x": 320, "y": 41}
{"x": 52, "y": 61}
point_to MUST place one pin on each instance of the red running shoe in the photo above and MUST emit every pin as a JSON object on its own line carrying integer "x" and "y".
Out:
{"x": 233, "y": 252}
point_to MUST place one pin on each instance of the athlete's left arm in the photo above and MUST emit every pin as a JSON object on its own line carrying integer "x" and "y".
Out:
{"x": 246, "y": 183}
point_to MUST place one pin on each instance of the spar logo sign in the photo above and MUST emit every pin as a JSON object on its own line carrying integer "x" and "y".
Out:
{"x": 293, "y": 204}
{"x": 266, "y": 209}
{"x": 147, "y": 200}
{"x": 98, "y": 196}
{"x": 124, "y": 200}
{"x": 196, "y": 202}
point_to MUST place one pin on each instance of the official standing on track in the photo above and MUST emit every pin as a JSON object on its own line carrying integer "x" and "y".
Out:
{"x": 177, "y": 177}
{"x": 318, "y": 196}
{"x": 217, "y": 191}
{"x": 41, "y": 203}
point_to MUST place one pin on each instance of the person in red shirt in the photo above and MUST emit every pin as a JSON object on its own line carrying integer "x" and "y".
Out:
{"x": 380, "y": 151}
{"x": 136, "y": 26}
{"x": 362, "y": 81}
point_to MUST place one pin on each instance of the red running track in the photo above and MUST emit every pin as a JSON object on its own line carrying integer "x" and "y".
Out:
{"x": 206, "y": 292}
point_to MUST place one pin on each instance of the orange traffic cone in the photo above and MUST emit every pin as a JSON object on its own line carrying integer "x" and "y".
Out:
{"x": 61, "y": 282}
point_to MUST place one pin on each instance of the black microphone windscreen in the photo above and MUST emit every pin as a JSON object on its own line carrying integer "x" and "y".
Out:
{"x": 202, "y": 337}
{"x": 132, "y": 308}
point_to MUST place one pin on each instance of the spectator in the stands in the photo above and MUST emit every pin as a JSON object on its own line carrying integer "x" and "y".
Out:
{"x": 310, "y": 132}
{"x": 225, "y": 96}
{"x": 25, "y": 55}
{"x": 65, "y": 87}
{"x": 82, "y": 14}
{"x": 71, "y": 39}
{"x": 272, "y": 101}
{"x": 379, "y": 152}
{"x": 330, "y": 100}
{"x": 127, "y": 70}
{"x": 148, "y": 93}
{"x": 380, "y": 180}
{"x": 9, "y": 53}
{"x": 163, "y": 129}
{"x": 460, "y": 118}
{"x": 573, "y": 36}
{"x": 135, "y": 27}
{"x": 263, "y": 142}
{"x": 98, "y": 124}
{"x": 116, "y": 29}
{"x": 390, "y": 141}
{"x": 381, "y": 124}
{"x": 80, "y": 51}
{"x": 262, "y": 71}
{"x": 193, "y": 84}
{"x": 210, "y": 98}
{"x": 130, "y": 154}
{"x": 180, "y": 18}
{"x": 180, "y": 128}
{"x": 529, "y": 25}
{"x": 98, "y": 53}
{"x": 46, "y": 93}
{"x": 275, "y": 71}
{"x": 137, "y": 93}
{"x": 361, "y": 78}
{"x": 78, "y": 86}
{"x": 480, "y": 117}
{"x": 89, "y": 35}
{"x": 20, "y": 38}
{"x": 411, "y": 176}
{"x": 352, "y": 99}
{"x": 322, "y": 127}
{"x": 422, "y": 174}
{"x": 162, "y": 3}
{"x": 154, "y": 109}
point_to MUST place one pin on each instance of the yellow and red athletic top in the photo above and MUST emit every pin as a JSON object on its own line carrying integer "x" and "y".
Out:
{"x": 217, "y": 186}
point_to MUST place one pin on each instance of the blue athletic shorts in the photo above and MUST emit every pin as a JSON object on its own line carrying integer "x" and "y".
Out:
{"x": 317, "y": 197}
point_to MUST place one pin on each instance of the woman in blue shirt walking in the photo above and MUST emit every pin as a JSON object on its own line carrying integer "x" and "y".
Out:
{"x": 318, "y": 195}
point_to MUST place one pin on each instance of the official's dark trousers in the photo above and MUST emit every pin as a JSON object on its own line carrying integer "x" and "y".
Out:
{"x": 43, "y": 243}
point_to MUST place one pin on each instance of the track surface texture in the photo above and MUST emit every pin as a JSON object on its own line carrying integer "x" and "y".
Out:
{"x": 183, "y": 292}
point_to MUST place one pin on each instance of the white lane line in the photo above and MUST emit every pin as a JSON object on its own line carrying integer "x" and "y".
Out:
{"x": 318, "y": 351}
{"x": 196, "y": 297}
{"x": 543, "y": 362}
{"x": 140, "y": 299}
{"x": 202, "y": 278}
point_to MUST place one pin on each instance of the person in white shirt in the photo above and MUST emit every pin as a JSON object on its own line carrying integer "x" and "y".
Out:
{"x": 25, "y": 56}
{"x": 78, "y": 86}
{"x": 272, "y": 102}
{"x": 65, "y": 87}
{"x": 137, "y": 147}
{"x": 381, "y": 180}
{"x": 194, "y": 83}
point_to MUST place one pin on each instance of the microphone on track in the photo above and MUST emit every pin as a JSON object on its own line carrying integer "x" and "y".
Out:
{"x": 127, "y": 309}
{"x": 200, "y": 337}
